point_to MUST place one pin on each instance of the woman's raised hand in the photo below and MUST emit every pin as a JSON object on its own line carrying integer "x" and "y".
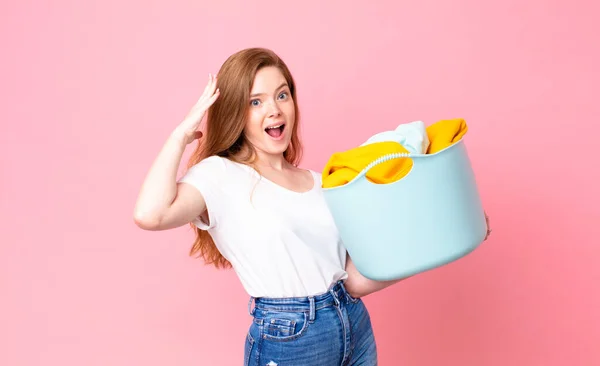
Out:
{"x": 189, "y": 126}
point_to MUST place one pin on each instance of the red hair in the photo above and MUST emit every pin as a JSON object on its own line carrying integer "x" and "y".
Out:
{"x": 225, "y": 123}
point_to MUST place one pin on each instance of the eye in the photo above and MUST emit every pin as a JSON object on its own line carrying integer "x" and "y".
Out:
{"x": 283, "y": 95}
{"x": 255, "y": 102}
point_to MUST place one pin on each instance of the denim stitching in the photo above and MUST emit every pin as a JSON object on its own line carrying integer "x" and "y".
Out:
{"x": 250, "y": 340}
{"x": 286, "y": 338}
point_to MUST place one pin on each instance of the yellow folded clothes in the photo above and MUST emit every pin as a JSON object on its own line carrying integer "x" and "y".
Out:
{"x": 445, "y": 133}
{"x": 342, "y": 167}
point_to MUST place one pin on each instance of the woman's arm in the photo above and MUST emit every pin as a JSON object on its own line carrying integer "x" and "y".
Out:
{"x": 358, "y": 285}
{"x": 163, "y": 203}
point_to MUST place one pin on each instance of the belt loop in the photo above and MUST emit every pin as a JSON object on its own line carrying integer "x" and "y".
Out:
{"x": 344, "y": 289}
{"x": 311, "y": 317}
{"x": 250, "y": 310}
{"x": 335, "y": 297}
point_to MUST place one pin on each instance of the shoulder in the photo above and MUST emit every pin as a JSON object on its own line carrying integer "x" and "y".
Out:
{"x": 213, "y": 163}
{"x": 316, "y": 175}
{"x": 212, "y": 168}
{"x": 221, "y": 169}
{"x": 313, "y": 172}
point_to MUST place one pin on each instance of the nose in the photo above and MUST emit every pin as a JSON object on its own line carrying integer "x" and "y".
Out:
{"x": 273, "y": 110}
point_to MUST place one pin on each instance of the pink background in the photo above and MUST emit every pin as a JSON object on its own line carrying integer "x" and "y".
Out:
{"x": 90, "y": 91}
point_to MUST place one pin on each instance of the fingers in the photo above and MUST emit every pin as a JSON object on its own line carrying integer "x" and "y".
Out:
{"x": 213, "y": 93}
{"x": 214, "y": 97}
{"x": 208, "y": 97}
{"x": 209, "y": 89}
{"x": 213, "y": 85}
{"x": 198, "y": 135}
{"x": 205, "y": 92}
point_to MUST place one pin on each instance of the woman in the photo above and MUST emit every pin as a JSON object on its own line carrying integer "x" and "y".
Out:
{"x": 254, "y": 210}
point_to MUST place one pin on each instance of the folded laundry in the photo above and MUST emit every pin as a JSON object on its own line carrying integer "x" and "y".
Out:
{"x": 445, "y": 133}
{"x": 342, "y": 167}
{"x": 413, "y": 136}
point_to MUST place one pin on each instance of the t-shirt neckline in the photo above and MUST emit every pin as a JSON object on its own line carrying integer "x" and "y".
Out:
{"x": 279, "y": 186}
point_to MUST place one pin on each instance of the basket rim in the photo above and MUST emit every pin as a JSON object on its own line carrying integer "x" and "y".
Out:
{"x": 410, "y": 155}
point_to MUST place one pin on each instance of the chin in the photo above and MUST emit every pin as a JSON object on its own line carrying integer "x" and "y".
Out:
{"x": 277, "y": 150}
{"x": 273, "y": 149}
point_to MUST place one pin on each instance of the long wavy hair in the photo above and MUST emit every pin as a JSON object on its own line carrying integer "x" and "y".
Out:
{"x": 225, "y": 122}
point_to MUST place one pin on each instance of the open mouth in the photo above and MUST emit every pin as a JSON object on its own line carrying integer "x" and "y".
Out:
{"x": 275, "y": 131}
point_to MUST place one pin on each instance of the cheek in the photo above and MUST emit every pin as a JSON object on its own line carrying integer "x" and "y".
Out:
{"x": 254, "y": 123}
{"x": 292, "y": 116}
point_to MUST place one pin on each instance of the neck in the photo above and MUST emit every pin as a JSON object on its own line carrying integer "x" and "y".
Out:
{"x": 275, "y": 162}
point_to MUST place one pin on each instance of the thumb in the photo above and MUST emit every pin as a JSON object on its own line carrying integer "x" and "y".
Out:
{"x": 198, "y": 135}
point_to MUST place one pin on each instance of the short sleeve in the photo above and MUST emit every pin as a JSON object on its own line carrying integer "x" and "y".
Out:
{"x": 208, "y": 177}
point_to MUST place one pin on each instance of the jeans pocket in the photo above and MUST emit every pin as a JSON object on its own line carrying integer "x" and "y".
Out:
{"x": 283, "y": 326}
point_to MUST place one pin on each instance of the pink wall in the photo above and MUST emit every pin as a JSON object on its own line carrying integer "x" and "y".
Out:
{"x": 90, "y": 90}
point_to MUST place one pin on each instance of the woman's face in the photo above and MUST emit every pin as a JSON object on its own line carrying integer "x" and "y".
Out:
{"x": 271, "y": 113}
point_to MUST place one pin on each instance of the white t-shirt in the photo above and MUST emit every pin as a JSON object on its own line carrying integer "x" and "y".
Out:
{"x": 281, "y": 243}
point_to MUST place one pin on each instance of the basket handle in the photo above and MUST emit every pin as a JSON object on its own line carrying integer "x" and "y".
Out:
{"x": 383, "y": 159}
{"x": 390, "y": 156}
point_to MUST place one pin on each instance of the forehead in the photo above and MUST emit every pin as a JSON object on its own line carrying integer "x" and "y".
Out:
{"x": 267, "y": 79}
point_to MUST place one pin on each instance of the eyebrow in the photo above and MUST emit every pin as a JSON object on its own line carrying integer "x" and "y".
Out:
{"x": 259, "y": 94}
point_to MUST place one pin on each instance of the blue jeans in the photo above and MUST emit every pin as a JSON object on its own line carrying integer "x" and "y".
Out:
{"x": 329, "y": 329}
